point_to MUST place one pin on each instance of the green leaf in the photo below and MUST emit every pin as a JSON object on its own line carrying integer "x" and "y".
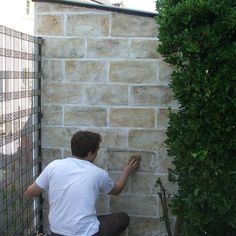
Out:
{"x": 196, "y": 191}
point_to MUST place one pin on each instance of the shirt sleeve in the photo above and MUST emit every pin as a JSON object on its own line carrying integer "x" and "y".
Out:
{"x": 107, "y": 184}
{"x": 43, "y": 179}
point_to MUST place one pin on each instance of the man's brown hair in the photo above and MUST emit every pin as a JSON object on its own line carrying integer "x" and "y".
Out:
{"x": 84, "y": 142}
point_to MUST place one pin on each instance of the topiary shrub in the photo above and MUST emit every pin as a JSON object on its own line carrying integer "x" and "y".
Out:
{"x": 198, "y": 37}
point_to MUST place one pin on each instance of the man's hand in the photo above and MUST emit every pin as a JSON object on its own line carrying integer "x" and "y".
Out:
{"x": 132, "y": 165}
{"x": 128, "y": 169}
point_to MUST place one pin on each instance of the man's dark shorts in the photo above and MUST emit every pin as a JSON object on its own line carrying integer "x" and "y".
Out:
{"x": 110, "y": 225}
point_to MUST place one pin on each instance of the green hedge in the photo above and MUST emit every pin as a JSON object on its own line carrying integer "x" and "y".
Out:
{"x": 198, "y": 37}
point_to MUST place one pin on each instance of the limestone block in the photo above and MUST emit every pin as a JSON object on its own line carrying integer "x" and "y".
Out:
{"x": 49, "y": 24}
{"x": 112, "y": 138}
{"x": 48, "y": 7}
{"x": 162, "y": 118}
{"x": 42, "y": 7}
{"x": 133, "y": 71}
{"x": 143, "y": 183}
{"x": 84, "y": 116}
{"x": 52, "y": 115}
{"x": 64, "y": 48}
{"x": 147, "y": 139}
{"x": 86, "y": 71}
{"x": 106, "y": 94}
{"x": 165, "y": 71}
{"x": 144, "y": 205}
{"x": 164, "y": 161}
{"x": 151, "y": 95}
{"x": 64, "y": 93}
{"x": 146, "y": 226}
{"x": 115, "y": 176}
{"x": 52, "y": 70}
{"x": 101, "y": 159}
{"x": 130, "y": 25}
{"x": 102, "y": 204}
{"x": 67, "y": 152}
{"x": 118, "y": 158}
{"x": 57, "y": 137}
{"x": 107, "y": 48}
{"x": 87, "y": 25}
{"x": 49, "y": 155}
{"x": 132, "y": 117}
{"x": 144, "y": 48}
{"x": 170, "y": 187}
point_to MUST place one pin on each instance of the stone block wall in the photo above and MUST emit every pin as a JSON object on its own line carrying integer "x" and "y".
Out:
{"x": 101, "y": 72}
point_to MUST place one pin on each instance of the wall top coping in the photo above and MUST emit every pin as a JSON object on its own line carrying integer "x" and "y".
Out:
{"x": 101, "y": 7}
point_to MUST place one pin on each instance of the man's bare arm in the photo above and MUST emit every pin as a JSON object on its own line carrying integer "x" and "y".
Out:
{"x": 129, "y": 169}
{"x": 33, "y": 190}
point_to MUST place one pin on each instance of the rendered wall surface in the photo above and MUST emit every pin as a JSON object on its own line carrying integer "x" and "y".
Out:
{"x": 101, "y": 72}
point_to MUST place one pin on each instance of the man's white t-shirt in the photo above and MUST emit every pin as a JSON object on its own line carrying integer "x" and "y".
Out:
{"x": 73, "y": 189}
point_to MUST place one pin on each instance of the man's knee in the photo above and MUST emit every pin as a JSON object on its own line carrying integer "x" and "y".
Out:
{"x": 125, "y": 218}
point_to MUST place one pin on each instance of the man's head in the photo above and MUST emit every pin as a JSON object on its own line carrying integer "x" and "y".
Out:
{"x": 84, "y": 143}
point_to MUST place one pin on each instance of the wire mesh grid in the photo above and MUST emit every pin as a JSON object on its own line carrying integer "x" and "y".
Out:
{"x": 20, "y": 152}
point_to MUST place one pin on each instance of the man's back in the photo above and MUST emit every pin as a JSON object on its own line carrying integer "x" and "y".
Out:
{"x": 74, "y": 186}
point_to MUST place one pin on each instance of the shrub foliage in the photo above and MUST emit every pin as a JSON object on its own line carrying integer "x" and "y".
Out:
{"x": 198, "y": 37}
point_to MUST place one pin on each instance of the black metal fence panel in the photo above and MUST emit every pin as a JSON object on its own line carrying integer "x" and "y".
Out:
{"x": 20, "y": 152}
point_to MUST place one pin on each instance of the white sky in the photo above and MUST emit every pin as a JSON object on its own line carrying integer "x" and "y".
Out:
{"x": 143, "y": 5}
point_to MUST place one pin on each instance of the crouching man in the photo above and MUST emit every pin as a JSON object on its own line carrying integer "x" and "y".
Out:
{"x": 73, "y": 186}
